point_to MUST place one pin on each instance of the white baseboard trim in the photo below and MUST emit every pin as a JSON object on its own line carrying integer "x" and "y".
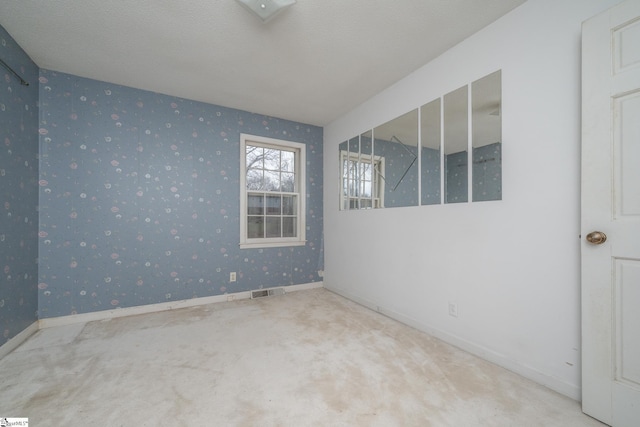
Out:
{"x": 164, "y": 306}
{"x": 570, "y": 390}
{"x": 14, "y": 342}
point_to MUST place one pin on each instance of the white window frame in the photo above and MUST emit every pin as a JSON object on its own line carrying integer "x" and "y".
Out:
{"x": 377, "y": 184}
{"x": 300, "y": 174}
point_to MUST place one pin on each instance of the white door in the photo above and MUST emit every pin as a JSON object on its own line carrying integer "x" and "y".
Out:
{"x": 611, "y": 205}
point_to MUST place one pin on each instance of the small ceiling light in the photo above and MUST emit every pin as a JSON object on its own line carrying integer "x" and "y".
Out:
{"x": 266, "y": 9}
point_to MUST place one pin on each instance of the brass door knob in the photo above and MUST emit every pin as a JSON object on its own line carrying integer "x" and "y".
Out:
{"x": 596, "y": 237}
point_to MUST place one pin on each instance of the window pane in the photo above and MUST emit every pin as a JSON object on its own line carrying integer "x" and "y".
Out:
{"x": 255, "y": 227}
{"x": 289, "y": 205}
{"x": 353, "y": 190}
{"x": 255, "y": 204}
{"x": 272, "y": 159}
{"x": 272, "y": 181}
{"x": 365, "y": 203}
{"x": 366, "y": 189}
{"x": 288, "y": 161}
{"x": 255, "y": 180}
{"x": 271, "y": 196}
{"x": 288, "y": 182}
{"x": 289, "y": 227}
{"x": 274, "y": 205}
{"x": 255, "y": 156}
{"x": 365, "y": 171}
{"x": 273, "y": 226}
{"x": 353, "y": 167}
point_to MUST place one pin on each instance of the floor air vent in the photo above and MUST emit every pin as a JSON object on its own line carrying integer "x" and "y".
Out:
{"x": 266, "y": 293}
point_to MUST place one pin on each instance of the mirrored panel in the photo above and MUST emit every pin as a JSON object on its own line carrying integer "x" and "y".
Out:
{"x": 381, "y": 168}
{"x": 353, "y": 173}
{"x": 456, "y": 137}
{"x": 430, "y": 135}
{"x": 359, "y": 176}
{"x": 486, "y": 101}
{"x": 396, "y": 150}
{"x": 369, "y": 178}
{"x": 343, "y": 159}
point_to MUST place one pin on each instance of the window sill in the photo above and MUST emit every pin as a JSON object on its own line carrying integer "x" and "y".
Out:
{"x": 260, "y": 245}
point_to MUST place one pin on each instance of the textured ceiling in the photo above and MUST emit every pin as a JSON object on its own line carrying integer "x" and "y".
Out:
{"x": 312, "y": 63}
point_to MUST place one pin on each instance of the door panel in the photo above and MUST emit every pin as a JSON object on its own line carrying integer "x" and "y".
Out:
{"x": 627, "y": 320}
{"x": 626, "y": 382}
{"x": 626, "y": 53}
{"x": 626, "y": 110}
{"x": 611, "y": 204}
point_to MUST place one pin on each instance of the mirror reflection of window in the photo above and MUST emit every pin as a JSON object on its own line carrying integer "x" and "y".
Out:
{"x": 366, "y": 172}
{"x": 361, "y": 171}
{"x": 354, "y": 173}
{"x": 486, "y": 95}
{"x": 343, "y": 159}
{"x": 456, "y": 137}
{"x": 430, "y": 136}
{"x": 372, "y": 168}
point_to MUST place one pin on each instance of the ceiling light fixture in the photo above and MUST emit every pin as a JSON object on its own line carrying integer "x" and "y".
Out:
{"x": 266, "y": 9}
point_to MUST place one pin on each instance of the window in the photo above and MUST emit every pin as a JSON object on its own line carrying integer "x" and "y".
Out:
{"x": 272, "y": 199}
{"x": 362, "y": 187}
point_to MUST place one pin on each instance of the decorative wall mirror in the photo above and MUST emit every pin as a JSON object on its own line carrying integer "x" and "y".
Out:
{"x": 353, "y": 194}
{"x": 397, "y": 143}
{"x": 343, "y": 153}
{"x": 354, "y": 155}
{"x": 430, "y": 135}
{"x": 486, "y": 95}
{"x": 361, "y": 183}
{"x": 456, "y": 142}
{"x": 369, "y": 174}
{"x": 394, "y": 165}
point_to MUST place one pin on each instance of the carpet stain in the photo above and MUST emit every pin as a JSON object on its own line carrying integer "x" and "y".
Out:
{"x": 308, "y": 358}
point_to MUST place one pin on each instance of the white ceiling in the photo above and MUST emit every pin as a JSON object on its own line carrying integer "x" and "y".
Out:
{"x": 312, "y": 63}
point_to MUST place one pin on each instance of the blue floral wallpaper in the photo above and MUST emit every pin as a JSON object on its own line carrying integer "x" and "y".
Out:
{"x": 18, "y": 191}
{"x": 139, "y": 199}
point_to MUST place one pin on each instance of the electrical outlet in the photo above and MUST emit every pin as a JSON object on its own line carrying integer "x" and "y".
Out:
{"x": 453, "y": 309}
{"x": 232, "y": 276}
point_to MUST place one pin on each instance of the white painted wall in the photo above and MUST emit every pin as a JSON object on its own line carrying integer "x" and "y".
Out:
{"x": 513, "y": 266}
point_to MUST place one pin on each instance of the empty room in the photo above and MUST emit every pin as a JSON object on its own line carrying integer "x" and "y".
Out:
{"x": 322, "y": 213}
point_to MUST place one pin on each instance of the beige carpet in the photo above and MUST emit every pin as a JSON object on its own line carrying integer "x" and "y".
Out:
{"x": 308, "y": 358}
